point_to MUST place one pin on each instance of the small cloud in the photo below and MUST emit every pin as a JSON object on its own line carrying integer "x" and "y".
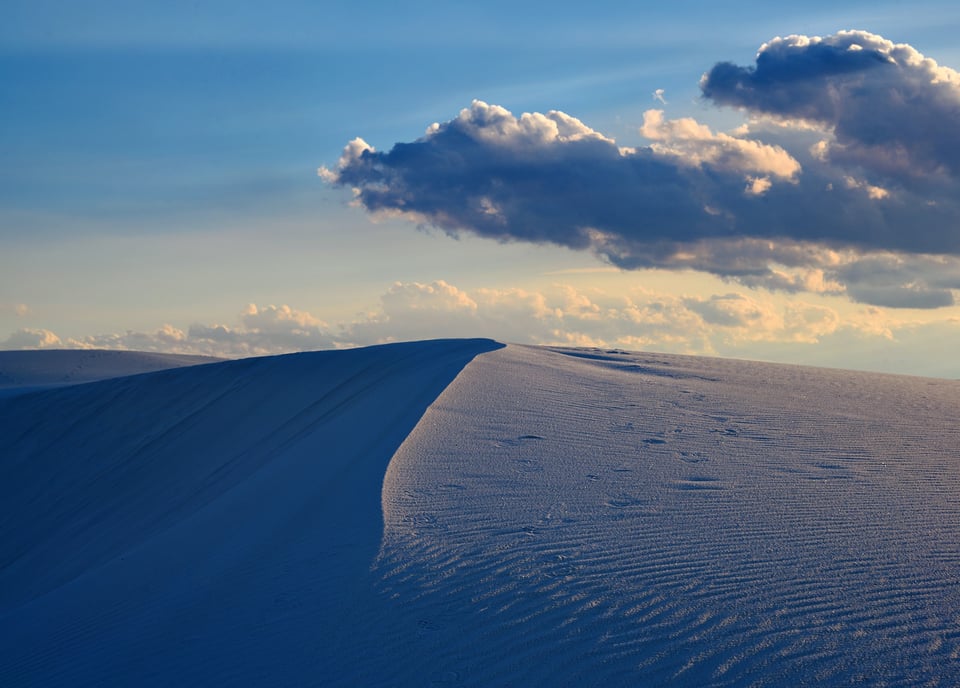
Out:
{"x": 595, "y": 270}
{"x": 17, "y": 309}
{"x": 415, "y": 310}
{"x": 820, "y": 150}
{"x": 658, "y": 96}
{"x": 264, "y": 330}
{"x": 895, "y": 281}
{"x": 757, "y": 186}
{"x": 873, "y": 192}
{"x": 729, "y": 310}
{"x": 437, "y": 297}
{"x": 279, "y": 319}
{"x": 352, "y": 152}
{"x": 28, "y": 338}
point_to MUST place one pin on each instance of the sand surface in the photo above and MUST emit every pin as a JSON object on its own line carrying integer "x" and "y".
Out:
{"x": 460, "y": 513}
{"x": 43, "y": 369}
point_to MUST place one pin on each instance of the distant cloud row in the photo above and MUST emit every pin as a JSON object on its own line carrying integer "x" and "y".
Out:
{"x": 720, "y": 324}
{"x": 266, "y": 330}
{"x": 846, "y": 178}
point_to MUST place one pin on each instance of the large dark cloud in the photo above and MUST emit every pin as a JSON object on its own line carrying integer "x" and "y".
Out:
{"x": 526, "y": 179}
{"x": 785, "y": 216}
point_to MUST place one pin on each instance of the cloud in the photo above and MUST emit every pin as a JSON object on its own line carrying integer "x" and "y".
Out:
{"x": 729, "y": 310}
{"x": 742, "y": 318}
{"x": 436, "y": 299}
{"x": 17, "y": 309}
{"x": 166, "y": 339}
{"x": 560, "y": 315}
{"x": 28, "y": 338}
{"x": 276, "y": 328}
{"x": 564, "y": 315}
{"x": 889, "y": 108}
{"x": 541, "y": 178}
{"x": 417, "y": 311}
{"x": 864, "y": 164}
{"x": 263, "y": 331}
{"x": 876, "y": 193}
{"x": 746, "y": 324}
{"x": 898, "y": 281}
{"x": 692, "y": 143}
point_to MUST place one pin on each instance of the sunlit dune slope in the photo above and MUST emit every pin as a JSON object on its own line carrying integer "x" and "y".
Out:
{"x": 576, "y": 517}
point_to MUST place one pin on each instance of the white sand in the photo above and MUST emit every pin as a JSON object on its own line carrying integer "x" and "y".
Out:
{"x": 29, "y": 370}
{"x": 556, "y": 517}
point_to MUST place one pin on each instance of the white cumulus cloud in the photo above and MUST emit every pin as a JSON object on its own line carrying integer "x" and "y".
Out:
{"x": 693, "y": 143}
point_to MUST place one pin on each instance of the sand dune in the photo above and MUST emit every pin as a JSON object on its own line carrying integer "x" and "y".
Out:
{"x": 31, "y": 370}
{"x": 459, "y": 513}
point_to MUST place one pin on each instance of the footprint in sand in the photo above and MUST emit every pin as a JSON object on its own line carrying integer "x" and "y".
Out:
{"x": 623, "y": 501}
{"x": 421, "y": 519}
{"x": 528, "y": 466}
{"x": 698, "y": 483}
{"x": 691, "y": 457}
{"x": 518, "y": 441}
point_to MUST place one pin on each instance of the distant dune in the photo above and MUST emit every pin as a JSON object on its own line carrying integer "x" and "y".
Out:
{"x": 55, "y": 368}
{"x": 460, "y": 513}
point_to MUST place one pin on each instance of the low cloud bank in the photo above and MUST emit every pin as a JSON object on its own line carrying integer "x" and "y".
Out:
{"x": 262, "y": 331}
{"x": 864, "y": 170}
{"x": 747, "y": 324}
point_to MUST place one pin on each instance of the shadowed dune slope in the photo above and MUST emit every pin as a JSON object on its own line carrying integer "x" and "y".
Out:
{"x": 191, "y": 526}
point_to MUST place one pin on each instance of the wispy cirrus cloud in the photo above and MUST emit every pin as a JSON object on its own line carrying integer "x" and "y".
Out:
{"x": 880, "y": 185}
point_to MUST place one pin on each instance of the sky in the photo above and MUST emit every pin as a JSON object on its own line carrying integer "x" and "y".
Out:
{"x": 234, "y": 179}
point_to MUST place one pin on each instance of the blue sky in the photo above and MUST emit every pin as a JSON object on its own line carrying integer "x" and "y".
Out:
{"x": 160, "y": 184}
